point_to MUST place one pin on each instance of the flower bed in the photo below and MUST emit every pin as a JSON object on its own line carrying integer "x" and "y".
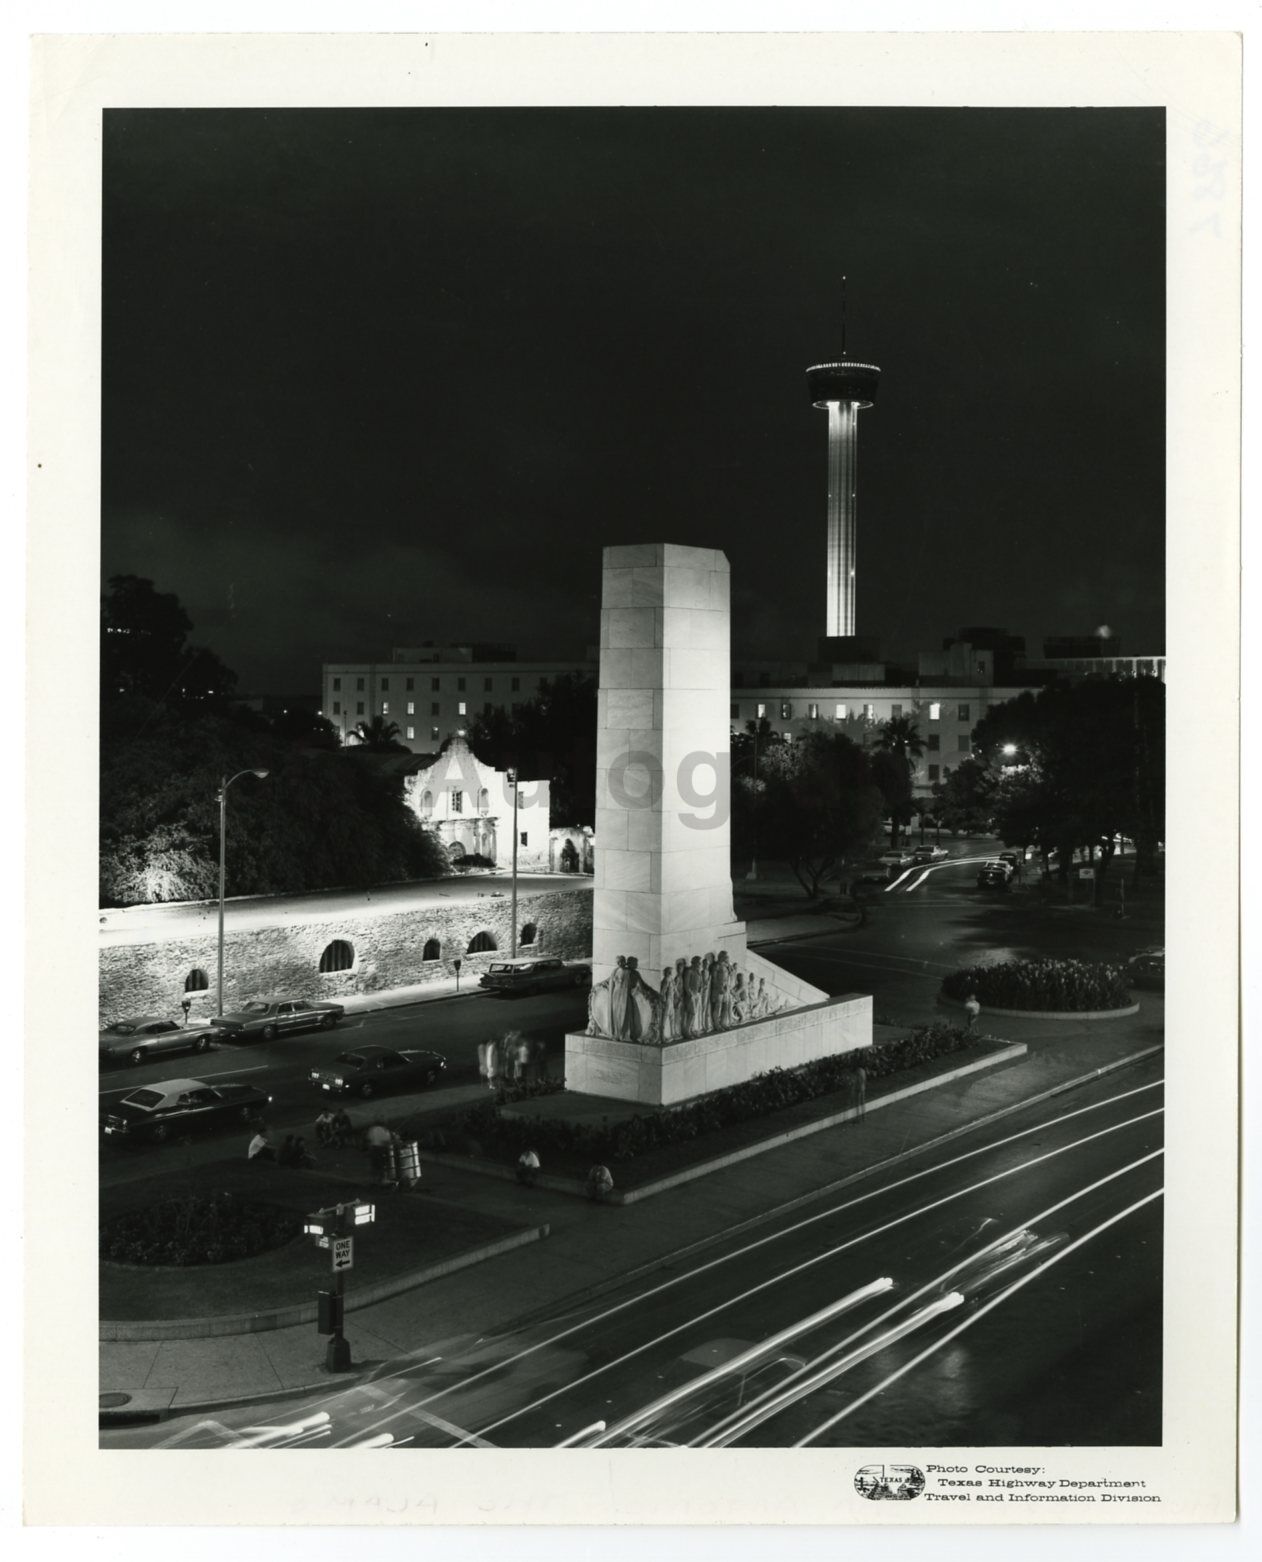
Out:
{"x": 197, "y": 1229}
{"x": 481, "y": 1130}
{"x": 1064, "y": 986}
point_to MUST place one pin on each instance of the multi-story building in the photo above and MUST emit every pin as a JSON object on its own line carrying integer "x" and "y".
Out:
{"x": 433, "y": 691}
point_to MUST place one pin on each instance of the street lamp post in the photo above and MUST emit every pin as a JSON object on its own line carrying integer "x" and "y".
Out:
{"x": 512, "y": 776}
{"x": 223, "y": 823}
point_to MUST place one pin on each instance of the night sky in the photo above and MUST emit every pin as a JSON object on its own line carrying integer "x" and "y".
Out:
{"x": 372, "y": 377}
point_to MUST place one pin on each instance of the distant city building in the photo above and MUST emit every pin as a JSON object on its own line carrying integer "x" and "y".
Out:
{"x": 431, "y": 692}
{"x": 469, "y": 807}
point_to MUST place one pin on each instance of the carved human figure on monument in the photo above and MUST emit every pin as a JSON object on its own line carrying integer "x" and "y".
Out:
{"x": 740, "y": 999}
{"x": 721, "y": 993}
{"x": 600, "y": 1004}
{"x": 691, "y": 1005}
{"x": 668, "y": 1018}
{"x": 705, "y": 1022}
{"x": 640, "y": 1022}
{"x": 619, "y": 991}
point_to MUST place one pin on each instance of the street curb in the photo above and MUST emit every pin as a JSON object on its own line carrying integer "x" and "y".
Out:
{"x": 754, "y": 1221}
{"x": 157, "y": 1329}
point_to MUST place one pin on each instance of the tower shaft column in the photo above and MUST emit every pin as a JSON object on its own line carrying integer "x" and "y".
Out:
{"x": 842, "y": 529}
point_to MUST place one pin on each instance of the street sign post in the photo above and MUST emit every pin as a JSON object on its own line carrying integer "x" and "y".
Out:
{"x": 343, "y": 1254}
{"x": 332, "y": 1228}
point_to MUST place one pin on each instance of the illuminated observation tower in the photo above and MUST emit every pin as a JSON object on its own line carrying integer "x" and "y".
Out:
{"x": 843, "y": 389}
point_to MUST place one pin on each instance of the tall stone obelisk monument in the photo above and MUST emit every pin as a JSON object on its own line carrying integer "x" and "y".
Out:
{"x": 663, "y": 882}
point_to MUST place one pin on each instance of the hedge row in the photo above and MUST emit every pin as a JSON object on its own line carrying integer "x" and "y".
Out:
{"x": 197, "y": 1229}
{"x": 1065, "y": 985}
{"x": 482, "y": 1130}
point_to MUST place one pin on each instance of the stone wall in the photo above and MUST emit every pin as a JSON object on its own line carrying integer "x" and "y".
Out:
{"x": 139, "y": 977}
{"x": 681, "y": 1070}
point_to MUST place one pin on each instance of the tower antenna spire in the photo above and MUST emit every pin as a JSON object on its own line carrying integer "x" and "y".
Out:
{"x": 843, "y": 317}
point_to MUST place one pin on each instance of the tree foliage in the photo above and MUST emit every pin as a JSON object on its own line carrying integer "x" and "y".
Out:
{"x": 379, "y": 736}
{"x": 814, "y": 804}
{"x": 549, "y": 738}
{"x": 145, "y": 651}
{"x": 897, "y": 747}
{"x": 1087, "y": 765}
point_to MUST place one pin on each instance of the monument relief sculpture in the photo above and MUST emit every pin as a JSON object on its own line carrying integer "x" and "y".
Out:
{"x": 698, "y": 997}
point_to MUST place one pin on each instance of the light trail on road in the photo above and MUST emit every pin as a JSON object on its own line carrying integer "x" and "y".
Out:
{"x": 986, "y": 1307}
{"x": 931, "y": 867}
{"x": 800, "y": 1385}
{"x": 918, "y": 1213}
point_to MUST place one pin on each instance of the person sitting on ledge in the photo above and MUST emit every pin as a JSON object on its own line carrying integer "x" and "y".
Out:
{"x": 527, "y": 1168}
{"x": 599, "y": 1183}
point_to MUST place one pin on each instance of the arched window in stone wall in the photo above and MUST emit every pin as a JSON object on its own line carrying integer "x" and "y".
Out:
{"x": 484, "y": 801}
{"x": 529, "y": 933}
{"x": 427, "y": 804}
{"x": 481, "y": 942}
{"x": 337, "y": 956}
{"x": 196, "y": 981}
{"x": 456, "y": 851}
{"x": 433, "y": 950}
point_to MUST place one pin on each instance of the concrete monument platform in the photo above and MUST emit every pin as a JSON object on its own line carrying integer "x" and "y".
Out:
{"x": 679, "y": 1005}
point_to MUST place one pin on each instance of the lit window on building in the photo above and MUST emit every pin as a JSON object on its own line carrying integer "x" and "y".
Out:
{"x": 457, "y": 801}
{"x": 812, "y": 711}
{"x": 867, "y": 713}
{"x": 762, "y": 711}
{"x": 935, "y": 711}
{"x": 935, "y": 742}
{"x": 337, "y": 683}
{"x": 462, "y": 709}
{"x": 786, "y": 710}
{"x": 411, "y": 733}
{"x": 839, "y": 711}
{"x": 933, "y": 772}
{"x": 385, "y": 707}
{"x": 964, "y": 716}
{"x": 411, "y": 707}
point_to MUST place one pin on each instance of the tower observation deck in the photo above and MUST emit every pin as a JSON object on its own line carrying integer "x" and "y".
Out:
{"x": 843, "y": 390}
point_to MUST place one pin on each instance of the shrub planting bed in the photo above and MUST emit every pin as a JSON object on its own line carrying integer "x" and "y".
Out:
{"x": 216, "y": 1228}
{"x": 739, "y": 1112}
{"x": 1061, "y": 986}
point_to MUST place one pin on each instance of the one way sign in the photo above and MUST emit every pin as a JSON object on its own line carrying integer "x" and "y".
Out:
{"x": 343, "y": 1253}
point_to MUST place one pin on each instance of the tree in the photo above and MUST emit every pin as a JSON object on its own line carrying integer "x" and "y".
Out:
{"x": 898, "y": 747}
{"x": 817, "y": 807}
{"x": 965, "y": 801}
{"x": 1080, "y": 765}
{"x": 305, "y": 727}
{"x": 379, "y": 736}
{"x": 551, "y": 737}
{"x": 145, "y": 652}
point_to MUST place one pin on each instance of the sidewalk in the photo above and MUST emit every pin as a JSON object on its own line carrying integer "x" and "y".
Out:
{"x": 591, "y": 1247}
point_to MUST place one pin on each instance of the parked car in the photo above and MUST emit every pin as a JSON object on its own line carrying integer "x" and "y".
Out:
{"x": 899, "y": 857}
{"x": 373, "y": 1071}
{"x": 1013, "y": 859}
{"x": 873, "y": 873}
{"x": 993, "y": 875}
{"x": 182, "y": 1106}
{"x": 267, "y": 1019}
{"x": 145, "y": 1036}
{"x": 1001, "y": 865}
{"x": 929, "y": 854}
{"x": 534, "y": 976}
{"x": 1148, "y": 969}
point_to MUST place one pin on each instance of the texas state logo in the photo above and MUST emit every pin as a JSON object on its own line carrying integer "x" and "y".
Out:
{"x": 892, "y": 1482}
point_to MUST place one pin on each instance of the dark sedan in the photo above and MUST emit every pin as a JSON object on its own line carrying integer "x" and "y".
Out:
{"x": 375, "y": 1071}
{"x": 1148, "y": 969}
{"x": 182, "y": 1106}
{"x": 267, "y": 1019}
{"x": 534, "y": 976}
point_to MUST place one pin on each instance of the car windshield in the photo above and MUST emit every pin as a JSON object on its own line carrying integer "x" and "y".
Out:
{"x": 147, "y": 1099}
{"x": 351, "y": 1059}
{"x": 123, "y": 1028}
{"x": 502, "y": 967}
{"x": 257, "y": 1007}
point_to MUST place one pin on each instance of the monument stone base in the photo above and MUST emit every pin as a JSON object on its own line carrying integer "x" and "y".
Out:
{"x": 679, "y": 1070}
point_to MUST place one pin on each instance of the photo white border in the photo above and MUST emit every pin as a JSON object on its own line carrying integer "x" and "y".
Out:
{"x": 1196, "y": 75}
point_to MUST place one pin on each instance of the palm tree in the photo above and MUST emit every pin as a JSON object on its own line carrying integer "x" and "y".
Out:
{"x": 899, "y": 737}
{"x": 378, "y": 736}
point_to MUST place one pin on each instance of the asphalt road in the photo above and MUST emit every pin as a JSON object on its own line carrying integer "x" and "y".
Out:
{"x": 1003, "y": 1290}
